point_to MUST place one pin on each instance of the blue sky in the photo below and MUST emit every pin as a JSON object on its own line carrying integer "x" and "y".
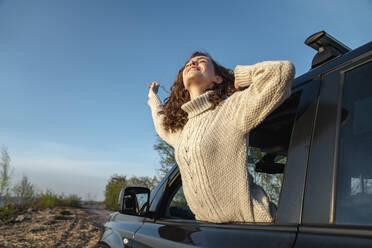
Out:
{"x": 73, "y": 74}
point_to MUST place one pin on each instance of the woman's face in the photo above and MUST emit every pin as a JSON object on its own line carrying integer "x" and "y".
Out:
{"x": 199, "y": 72}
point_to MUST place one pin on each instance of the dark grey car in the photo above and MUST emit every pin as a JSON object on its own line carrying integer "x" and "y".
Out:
{"x": 323, "y": 133}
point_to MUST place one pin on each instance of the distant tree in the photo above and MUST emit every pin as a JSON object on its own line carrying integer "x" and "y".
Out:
{"x": 4, "y": 174}
{"x": 24, "y": 192}
{"x": 112, "y": 190}
{"x": 167, "y": 158}
{"x": 148, "y": 182}
{"x": 117, "y": 182}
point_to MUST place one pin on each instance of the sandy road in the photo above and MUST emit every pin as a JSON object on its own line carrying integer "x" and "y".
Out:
{"x": 98, "y": 212}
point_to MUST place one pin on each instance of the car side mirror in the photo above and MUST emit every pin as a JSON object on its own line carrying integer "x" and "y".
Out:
{"x": 134, "y": 201}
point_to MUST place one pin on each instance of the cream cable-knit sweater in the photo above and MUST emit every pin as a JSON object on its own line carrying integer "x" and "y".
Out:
{"x": 211, "y": 149}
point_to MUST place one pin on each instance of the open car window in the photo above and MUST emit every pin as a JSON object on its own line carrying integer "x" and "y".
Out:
{"x": 267, "y": 156}
{"x": 268, "y": 148}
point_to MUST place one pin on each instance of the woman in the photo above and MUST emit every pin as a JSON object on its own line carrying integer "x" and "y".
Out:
{"x": 206, "y": 119}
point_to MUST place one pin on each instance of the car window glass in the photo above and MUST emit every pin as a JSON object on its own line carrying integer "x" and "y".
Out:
{"x": 354, "y": 188}
{"x": 178, "y": 207}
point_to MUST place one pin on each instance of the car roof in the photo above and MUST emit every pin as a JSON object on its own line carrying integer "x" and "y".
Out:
{"x": 332, "y": 65}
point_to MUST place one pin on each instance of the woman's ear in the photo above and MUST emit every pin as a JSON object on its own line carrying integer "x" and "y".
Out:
{"x": 218, "y": 80}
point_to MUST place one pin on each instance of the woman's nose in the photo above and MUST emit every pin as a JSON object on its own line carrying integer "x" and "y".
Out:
{"x": 194, "y": 62}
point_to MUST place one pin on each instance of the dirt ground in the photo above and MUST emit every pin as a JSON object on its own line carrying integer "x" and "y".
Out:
{"x": 51, "y": 228}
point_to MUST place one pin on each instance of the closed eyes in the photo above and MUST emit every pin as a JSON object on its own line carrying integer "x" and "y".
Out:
{"x": 198, "y": 60}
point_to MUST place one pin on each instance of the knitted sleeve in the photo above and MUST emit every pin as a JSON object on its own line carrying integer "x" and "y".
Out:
{"x": 269, "y": 85}
{"x": 156, "y": 107}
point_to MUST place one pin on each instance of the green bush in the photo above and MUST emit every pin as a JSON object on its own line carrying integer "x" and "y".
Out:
{"x": 64, "y": 212}
{"x": 72, "y": 201}
{"x": 47, "y": 200}
{"x": 91, "y": 202}
{"x": 8, "y": 213}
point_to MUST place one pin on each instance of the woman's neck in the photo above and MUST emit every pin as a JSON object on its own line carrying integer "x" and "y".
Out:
{"x": 196, "y": 91}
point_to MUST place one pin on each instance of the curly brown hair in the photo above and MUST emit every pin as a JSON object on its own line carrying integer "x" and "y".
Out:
{"x": 175, "y": 118}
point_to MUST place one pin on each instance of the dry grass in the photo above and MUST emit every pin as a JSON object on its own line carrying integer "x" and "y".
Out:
{"x": 52, "y": 228}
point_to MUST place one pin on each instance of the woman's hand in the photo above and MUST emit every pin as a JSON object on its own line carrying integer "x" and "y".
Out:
{"x": 154, "y": 87}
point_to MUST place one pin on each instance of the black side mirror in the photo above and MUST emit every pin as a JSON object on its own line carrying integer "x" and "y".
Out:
{"x": 134, "y": 201}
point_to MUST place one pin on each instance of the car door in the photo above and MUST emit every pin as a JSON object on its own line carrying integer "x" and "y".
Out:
{"x": 338, "y": 197}
{"x": 120, "y": 229}
{"x": 172, "y": 223}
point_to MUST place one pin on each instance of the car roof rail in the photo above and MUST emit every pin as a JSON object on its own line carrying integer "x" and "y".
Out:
{"x": 328, "y": 48}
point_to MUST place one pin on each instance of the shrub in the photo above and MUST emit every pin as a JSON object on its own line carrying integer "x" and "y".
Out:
{"x": 72, "y": 201}
{"x": 47, "y": 200}
{"x": 64, "y": 212}
{"x": 8, "y": 213}
{"x": 24, "y": 193}
{"x": 5, "y": 171}
{"x": 91, "y": 202}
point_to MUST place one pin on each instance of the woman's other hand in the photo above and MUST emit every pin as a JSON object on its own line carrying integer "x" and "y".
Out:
{"x": 154, "y": 87}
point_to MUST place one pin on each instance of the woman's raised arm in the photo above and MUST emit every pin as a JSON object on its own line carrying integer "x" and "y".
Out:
{"x": 269, "y": 85}
{"x": 156, "y": 108}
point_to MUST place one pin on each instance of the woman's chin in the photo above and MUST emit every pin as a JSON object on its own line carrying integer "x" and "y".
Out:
{"x": 194, "y": 79}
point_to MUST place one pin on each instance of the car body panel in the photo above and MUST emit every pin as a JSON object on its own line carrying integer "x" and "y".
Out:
{"x": 171, "y": 233}
{"x": 120, "y": 227}
{"x": 330, "y": 236}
